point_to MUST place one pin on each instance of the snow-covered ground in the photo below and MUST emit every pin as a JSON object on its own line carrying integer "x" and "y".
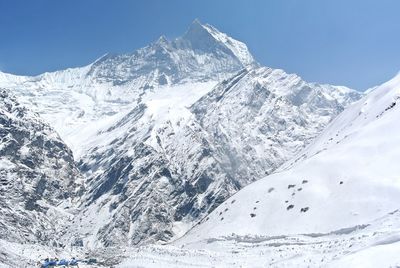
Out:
{"x": 375, "y": 244}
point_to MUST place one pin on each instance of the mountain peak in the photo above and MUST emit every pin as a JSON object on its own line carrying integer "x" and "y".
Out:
{"x": 196, "y": 22}
{"x": 196, "y": 33}
{"x": 201, "y": 54}
{"x": 206, "y": 38}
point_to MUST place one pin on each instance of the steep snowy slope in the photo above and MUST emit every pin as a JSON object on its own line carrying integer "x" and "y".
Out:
{"x": 259, "y": 118}
{"x": 347, "y": 178}
{"x": 38, "y": 176}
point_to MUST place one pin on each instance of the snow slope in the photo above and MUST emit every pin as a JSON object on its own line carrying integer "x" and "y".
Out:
{"x": 348, "y": 177}
{"x": 375, "y": 245}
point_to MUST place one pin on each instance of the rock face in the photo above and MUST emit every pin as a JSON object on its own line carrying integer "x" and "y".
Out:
{"x": 153, "y": 178}
{"x": 37, "y": 174}
{"x": 165, "y": 134}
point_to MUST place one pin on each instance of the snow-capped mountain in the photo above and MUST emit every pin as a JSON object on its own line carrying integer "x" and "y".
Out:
{"x": 165, "y": 134}
{"x": 70, "y": 100}
{"x": 346, "y": 179}
{"x": 201, "y": 54}
{"x": 38, "y": 175}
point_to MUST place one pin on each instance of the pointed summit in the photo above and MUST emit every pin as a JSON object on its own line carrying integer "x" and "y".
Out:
{"x": 206, "y": 38}
{"x": 203, "y": 53}
{"x": 196, "y": 22}
{"x": 196, "y": 25}
{"x": 198, "y": 35}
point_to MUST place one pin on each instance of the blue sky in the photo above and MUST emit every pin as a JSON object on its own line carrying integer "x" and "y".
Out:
{"x": 348, "y": 42}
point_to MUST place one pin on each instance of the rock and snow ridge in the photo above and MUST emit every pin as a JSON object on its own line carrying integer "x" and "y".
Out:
{"x": 165, "y": 134}
{"x": 39, "y": 179}
{"x": 259, "y": 118}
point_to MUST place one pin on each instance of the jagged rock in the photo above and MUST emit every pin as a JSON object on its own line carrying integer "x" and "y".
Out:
{"x": 37, "y": 172}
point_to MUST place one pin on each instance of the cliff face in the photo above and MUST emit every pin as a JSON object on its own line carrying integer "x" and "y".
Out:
{"x": 37, "y": 174}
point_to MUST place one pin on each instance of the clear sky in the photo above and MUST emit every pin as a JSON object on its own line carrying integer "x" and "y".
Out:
{"x": 348, "y": 42}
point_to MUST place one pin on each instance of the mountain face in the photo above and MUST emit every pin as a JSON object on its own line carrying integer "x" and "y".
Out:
{"x": 164, "y": 135}
{"x": 259, "y": 118}
{"x": 343, "y": 181}
{"x": 37, "y": 174}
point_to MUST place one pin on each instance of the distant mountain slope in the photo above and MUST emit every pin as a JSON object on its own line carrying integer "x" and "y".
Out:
{"x": 38, "y": 176}
{"x": 259, "y": 118}
{"x": 346, "y": 178}
{"x": 201, "y": 54}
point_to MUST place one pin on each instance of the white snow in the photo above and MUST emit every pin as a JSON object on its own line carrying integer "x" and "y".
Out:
{"x": 238, "y": 48}
{"x": 373, "y": 245}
